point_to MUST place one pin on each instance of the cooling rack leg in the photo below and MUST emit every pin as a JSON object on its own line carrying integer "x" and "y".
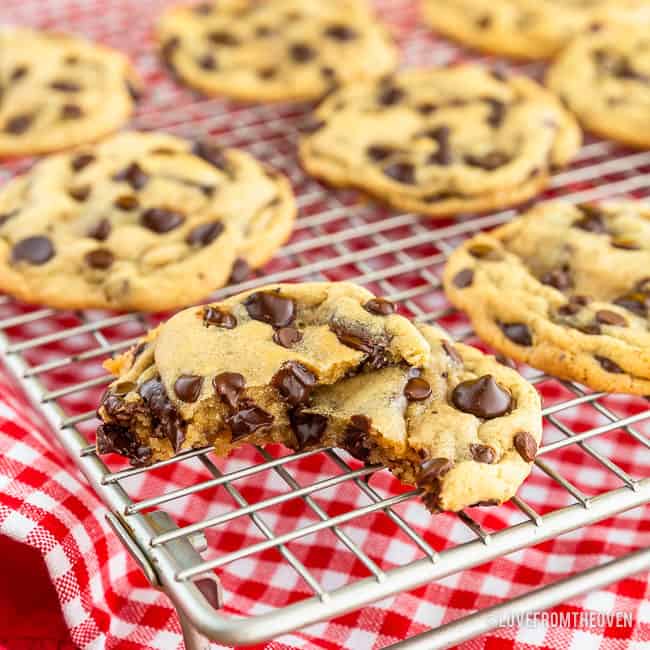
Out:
{"x": 192, "y": 638}
{"x": 537, "y": 600}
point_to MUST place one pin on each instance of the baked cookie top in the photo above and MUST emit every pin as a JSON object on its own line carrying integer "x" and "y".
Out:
{"x": 526, "y": 29}
{"x": 140, "y": 221}
{"x": 59, "y": 91}
{"x": 324, "y": 364}
{"x": 565, "y": 288}
{"x": 604, "y": 78}
{"x": 442, "y": 140}
{"x": 270, "y": 51}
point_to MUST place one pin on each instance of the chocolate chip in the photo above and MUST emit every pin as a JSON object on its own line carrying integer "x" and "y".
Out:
{"x": 390, "y": 96}
{"x": 558, "y": 278}
{"x": 18, "y": 72}
{"x": 378, "y": 152}
{"x": 358, "y": 339}
{"x": 161, "y": 220}
{"x": 34, "y": 250}
{"x": 100, "y": 258}
{"x": 6, "y": 216}
{"x": 223, "y": 38}
{"x": 592, "y": 219}
{"x": 608, "y": 365}
{"x": 207, "y": 62}
{"x": 526, "y": 446}
{"x": 114, "y": 438}
{"x": 341, "y": 32}
{"x": 489, "y": 161}
{"x": 240, "y": 271}
{"x": 452, "y": 352}
{"x": 307, "y": 427}
{"x": 287, "y": 337}
{"x": 636, "y": 301}
{"x": 214, "y": 316}
{"x": 18, "y": 124}
{"x": 484, "y": 22}
{"x": 380, "y": 307}
{"x": 328, "y": 72}
{"x": 593, "y": 329}
{"x": 496, "y": 113}
{"x": 65, "y": 86}
{"x": 101, "y": 230}
{"x": 402, "y": 172}
{"x": 165, "y": 419}
{"x": 443, "y": 155}
{"x": 81, "y": 161}
{"x": 463, "y": 279}
{"x": 204, "y": 234}
{"x": 294, "y": 382}
{"x": 211, "y": 153}
{"x": 270, "y": 308}
{"x": 355, "y": 440}
{"x": 267, "y": 73}
{"x": 188, "y": 387}
{"x": 80, "y": 194}
{"x": 249, "y": 419}
{"x": 417, "y": 389}
{"x": 301, "y": 52}
{"x": 433, "y": 470}
{"x": 607, "y": 317}
{"x": 263, "y": 31}
{"x": 518, "y": 333}
{"x": 504, "y": 361}
{"x": 71, "y": 112}
{"x": 133, "y": 175}
{"x": 426, "y": 108}
{"x": 485, "y": 252}
{"x": 482, "y": 397}
{"x": 126, "y": 202}
{"x": 229, "y": 387}
{"x": 482, "y": 453}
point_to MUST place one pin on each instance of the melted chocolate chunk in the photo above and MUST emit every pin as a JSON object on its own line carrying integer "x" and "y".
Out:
{"x": 204, "y": 234}
{"x": 484, "y": 22}
{"x": 229, "y": 387}
{"x": 497, "y": 112}
{"x": 482, "y": 453}
{"x": 402, "y": 172}
{"x": 71, "y": 112}
{"x": 433, "y": 470}
{"x": 188, "y": 387}
{"x": 214, "y": 316}
{"x": 378, "y": 152}
{"x": 223, "y": 38}
{"x": 482, "y": 397}
{"x": 211, "y": 153}
{"x": 380, "y": 307}
{"x": 463, "y": 279}
{"x": 65, "y": 86}
{"x": 592, "y": 219}
{"x": 307, "y": 427}
{"x": 81, "y": 161}
{"x": 489, "y": 161}
{"x": 161, "y": 220}
{"x": 126, "y": 202}
{"x": 18, "y": 73}
{"x": 526, "y": 446}
{"x": 608, "y": 317}
{"x": 390, "y": 96}
{"x": 608, "y": 365}
{"x": 101, "y": 230}
{"x": 249, "y": 419}
{"x": 294, "y": 382}
{"x": 240, "y": 271}
{"x": 79, "y": 194}
{"x": 443, "y": 155}
{"x": 114, "y": 438}
{"x": 559, "y": 278}
{"x": 270, "y": 308}
{"x": 18, "y": 124}
{"x": 356, "y": 437}
{"x": 518, "y": 333}
{"x": 341, "y": 32}
{"x": 165, "y": 419}
{"x": 287, "y": 337}
{"x": 100, "y": 258}
{"x": 35, "y": 250}
{"x": 302, "y": 52}
{"x": 452, "y": 352}
{"x": 637, "y": 302}
{"x": 417, "y": 389}
{"x": 504, "y": 361}
{"x": 133, "y": 175}
{"x": 358, "y": 339}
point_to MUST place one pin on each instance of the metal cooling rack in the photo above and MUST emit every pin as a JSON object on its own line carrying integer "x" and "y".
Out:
{"x": 336, "y": 237}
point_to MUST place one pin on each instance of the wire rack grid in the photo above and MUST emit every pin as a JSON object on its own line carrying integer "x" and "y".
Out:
{"x": 56, "y": 358}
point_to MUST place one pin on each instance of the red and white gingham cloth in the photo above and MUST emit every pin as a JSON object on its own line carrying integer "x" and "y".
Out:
{"x": 55, "y": 547}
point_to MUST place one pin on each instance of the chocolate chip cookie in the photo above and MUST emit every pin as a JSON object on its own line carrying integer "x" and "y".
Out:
{"x": 565, "y": 288}
{"x": 58, "y": 91}
{"x": 604, "y": 78}
{"x": 326, "y": 364}
{"x": 526, "y": 29}
{"x": 140, "y": 221}
{"x": 441, "y": 141}
{"x": 270, "y": 51}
